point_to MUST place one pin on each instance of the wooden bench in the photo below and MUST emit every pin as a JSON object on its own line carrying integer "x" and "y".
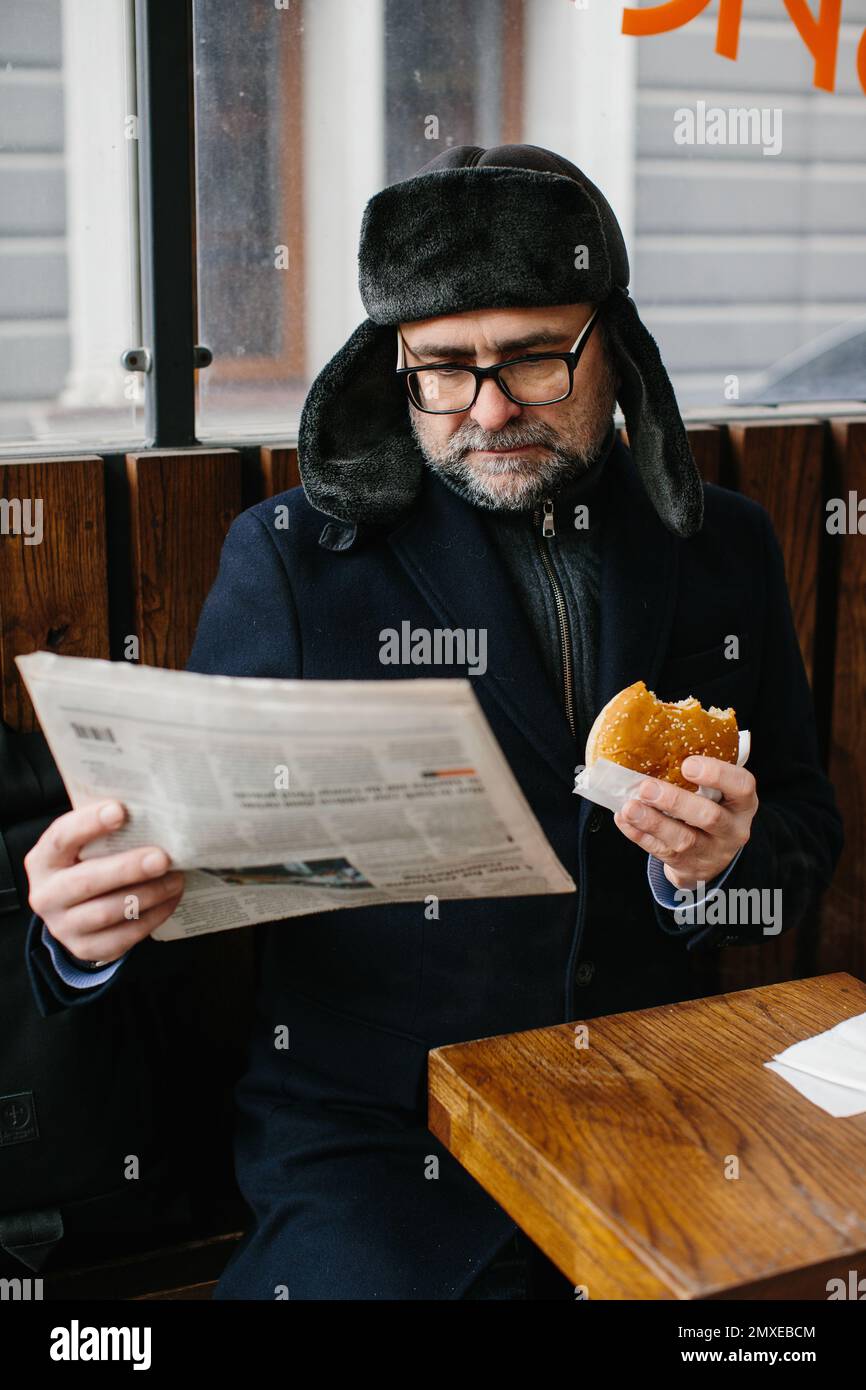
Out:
{"x": 187, "y": 1270}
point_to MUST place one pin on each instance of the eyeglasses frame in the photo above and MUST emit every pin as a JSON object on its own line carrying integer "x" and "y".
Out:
{"x": 481, "y": 374}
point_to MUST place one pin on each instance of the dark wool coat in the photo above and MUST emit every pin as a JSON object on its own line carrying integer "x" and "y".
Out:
{"x": 332, "y": 1149}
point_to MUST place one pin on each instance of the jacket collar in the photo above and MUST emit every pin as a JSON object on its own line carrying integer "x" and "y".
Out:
{"x": 445, "y": 550}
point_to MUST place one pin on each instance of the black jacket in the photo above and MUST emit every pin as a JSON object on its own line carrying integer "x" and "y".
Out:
{"x": 332, "y": 1150}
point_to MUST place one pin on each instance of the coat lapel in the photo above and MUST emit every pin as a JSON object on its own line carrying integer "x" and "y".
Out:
{"x": 639, "y": 570}
{"x": 638, "y": 591}
{"x": 445, "y": 550}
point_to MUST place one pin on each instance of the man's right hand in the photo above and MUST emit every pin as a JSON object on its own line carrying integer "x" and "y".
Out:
{"x": 87, "y": 904}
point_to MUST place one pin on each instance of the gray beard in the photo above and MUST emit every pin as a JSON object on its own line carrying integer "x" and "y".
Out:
{"x": 536, "y": 478}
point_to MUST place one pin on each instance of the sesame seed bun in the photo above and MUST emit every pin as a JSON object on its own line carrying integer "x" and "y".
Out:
{"x": 638, "y": 731}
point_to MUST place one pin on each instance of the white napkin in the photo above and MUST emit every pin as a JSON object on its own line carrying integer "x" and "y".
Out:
{"x": 830, "y": 1068}
{"x": 611, "y": 785}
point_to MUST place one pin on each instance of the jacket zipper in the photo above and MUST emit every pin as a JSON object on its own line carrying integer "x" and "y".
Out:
{"x": 548, "y": 530}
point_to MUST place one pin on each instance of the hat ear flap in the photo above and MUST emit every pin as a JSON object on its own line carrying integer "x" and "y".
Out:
{"x": 357, "y": 456}
{"x": 656, "y": 434}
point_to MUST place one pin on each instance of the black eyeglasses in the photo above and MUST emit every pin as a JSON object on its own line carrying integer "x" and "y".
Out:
{"x": 541, "y": 378}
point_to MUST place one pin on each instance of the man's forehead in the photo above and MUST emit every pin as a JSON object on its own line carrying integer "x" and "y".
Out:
{"x": 493, "y": 328}
{"x": 484, "y": 320}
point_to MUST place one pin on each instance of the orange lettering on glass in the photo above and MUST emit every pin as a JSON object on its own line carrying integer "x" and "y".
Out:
{"x": 819, "y": 33}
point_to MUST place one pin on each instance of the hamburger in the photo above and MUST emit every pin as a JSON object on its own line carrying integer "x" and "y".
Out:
{"x": 652, "y": 736}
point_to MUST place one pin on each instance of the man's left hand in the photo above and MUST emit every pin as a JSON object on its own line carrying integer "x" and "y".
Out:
{"x": 694, "y": 837}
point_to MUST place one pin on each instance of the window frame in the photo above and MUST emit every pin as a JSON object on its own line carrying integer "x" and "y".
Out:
{"x": 166, "y": 180}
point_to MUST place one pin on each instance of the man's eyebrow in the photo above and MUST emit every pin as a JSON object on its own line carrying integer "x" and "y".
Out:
{"x": 542, "y": 337}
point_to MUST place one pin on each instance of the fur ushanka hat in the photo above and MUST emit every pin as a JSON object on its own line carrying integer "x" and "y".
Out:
{"x": 481, "y": 229}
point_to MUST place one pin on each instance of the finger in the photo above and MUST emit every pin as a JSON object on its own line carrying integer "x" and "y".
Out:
{"x": 111, "y": 944}
{"x": 114, "y": 909}
{"x": 699, "y": 811}
{"x": 92, "y": 878}
{"x": 735, "y": 783}
{"x": 657, "y": 834}
{"x": 65, "y": 837}
{"x": 637, "y": 836}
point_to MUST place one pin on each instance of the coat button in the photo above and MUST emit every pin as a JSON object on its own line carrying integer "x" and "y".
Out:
{"x": 585, "y": 972}
{"x": 594, "y": 822}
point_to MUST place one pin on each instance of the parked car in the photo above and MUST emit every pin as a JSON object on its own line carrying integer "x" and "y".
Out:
{"x": 832, "y": 367}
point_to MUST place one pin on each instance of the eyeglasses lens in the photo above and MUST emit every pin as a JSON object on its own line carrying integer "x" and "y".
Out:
{"x": 537, "y": 382}
{"x": 449, "y": 388}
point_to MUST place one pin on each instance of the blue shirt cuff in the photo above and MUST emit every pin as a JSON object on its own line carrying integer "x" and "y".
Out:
{"x": 70, "y": 973}
{"x": 664, "y": 891}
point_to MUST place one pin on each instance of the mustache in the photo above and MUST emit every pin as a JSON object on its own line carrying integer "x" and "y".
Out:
{"x": 513, "y": 436}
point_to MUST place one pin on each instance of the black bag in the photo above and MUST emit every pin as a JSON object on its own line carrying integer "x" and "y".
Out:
{"x": 82, "y": 1091}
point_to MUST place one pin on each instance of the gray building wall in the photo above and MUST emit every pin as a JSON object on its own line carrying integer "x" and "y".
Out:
{"x": 34, "y": 341}
{"x": 739, "y": 257}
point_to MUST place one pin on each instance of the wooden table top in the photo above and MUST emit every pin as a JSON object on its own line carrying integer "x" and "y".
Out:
{"x": 614, "y": 1157}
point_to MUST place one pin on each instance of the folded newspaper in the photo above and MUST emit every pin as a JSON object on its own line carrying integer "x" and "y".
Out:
{"x": 285, "y": 797}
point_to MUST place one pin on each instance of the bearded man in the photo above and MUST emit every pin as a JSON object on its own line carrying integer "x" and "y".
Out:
{"x": 461, "y": 470}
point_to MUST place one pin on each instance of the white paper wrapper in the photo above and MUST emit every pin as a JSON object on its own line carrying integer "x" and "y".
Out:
{"x": 608, "y": 784}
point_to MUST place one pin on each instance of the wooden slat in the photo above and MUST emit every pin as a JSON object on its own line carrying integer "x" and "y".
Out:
{"x": 780, "y": 466}
{"x": 53, "y": 595}
{"x": 279, "y": 468}
{"x": 843, "y": 916}
{"x": 182, "y": 503}
{"x": 705, "y": 442}
{"x": 181, "y": 506}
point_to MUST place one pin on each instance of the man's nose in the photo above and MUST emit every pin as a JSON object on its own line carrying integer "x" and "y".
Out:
{"x": 493, "y": 409}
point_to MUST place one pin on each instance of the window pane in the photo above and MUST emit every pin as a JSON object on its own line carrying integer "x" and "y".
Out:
{"x": 751, "y": 235}
{"x": 452, "y": 77}
{"x": 68, "y": 273}
{"x": 250, "y": 236}
{"x": 302, "y": 114}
